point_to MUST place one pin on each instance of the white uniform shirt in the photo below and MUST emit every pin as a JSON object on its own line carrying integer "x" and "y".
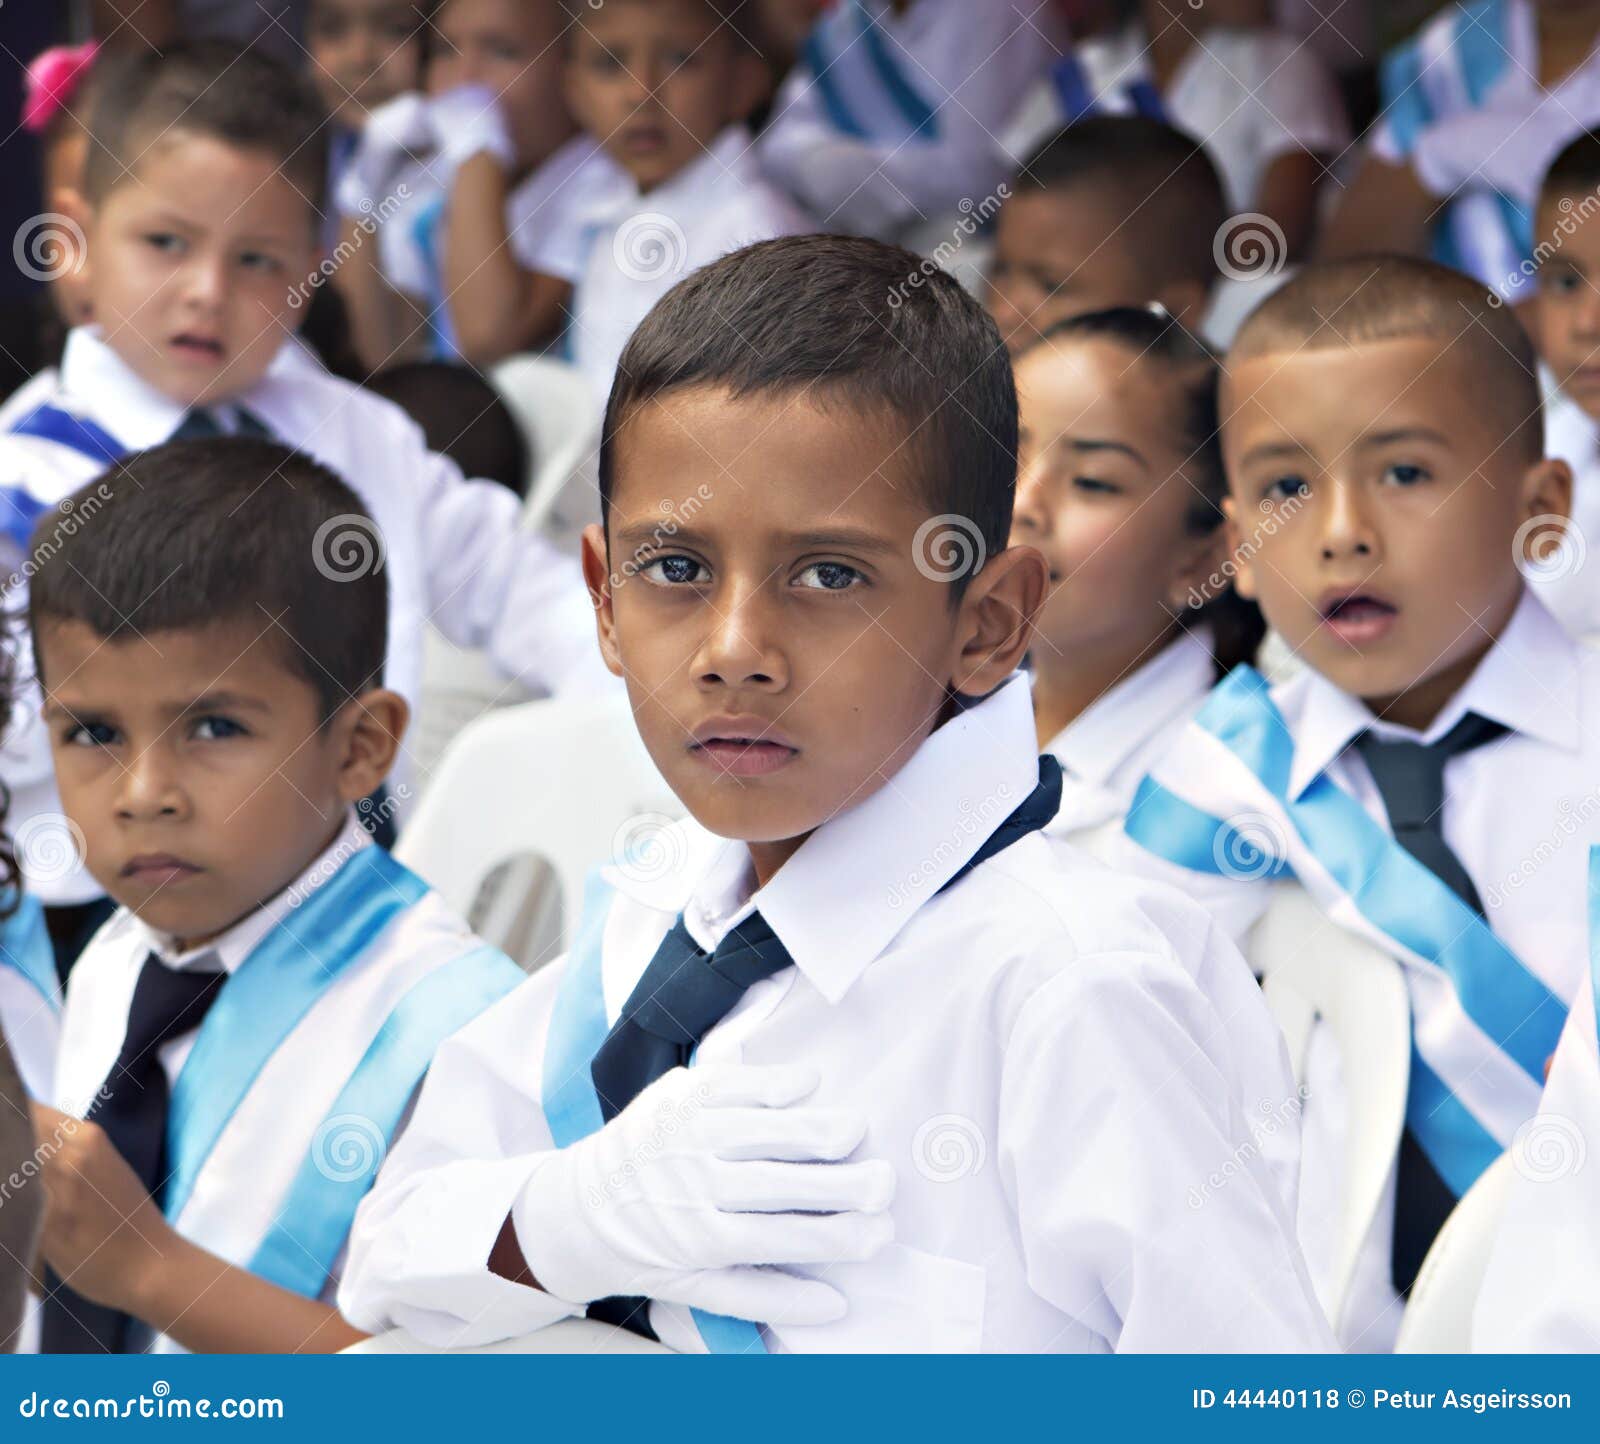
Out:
{"x": 968, "y": 63}
{"x": 623, "y": 250}
{"x": 1106, "y": 752}
{"x": 454, "y": 551}
{"x": 1249, "y": 96}
{"x": 1569, "y": 582}
{"x": 1519, "y": 812}
{"x": 1064, "y": 1066}
{"x": 1541, "y": 1293}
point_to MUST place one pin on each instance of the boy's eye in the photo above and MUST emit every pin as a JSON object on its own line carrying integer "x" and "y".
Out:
{"x": 673, "y": 571}
{"x": 1091, "y": 484}
{"x": 215, "y": 729}
{"x": 165, "y": 242}
{"x": 1562, "y": 283}
{"x": 90, "y": 734}
{"x": 258, "y": 261}
{"x": 830, "y": 577}
{"x": 1404, "y": 474}
{"x": 1281, "y": 488}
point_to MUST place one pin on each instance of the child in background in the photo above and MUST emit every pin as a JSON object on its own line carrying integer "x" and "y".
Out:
{"x": 887, "y": 125}
{"x": 865, "y": 950}
{"x": 243, "y": 1038}
{"x": 1566, "y": 329}
{"x": 1121, "y": 488}
{"x": 1259, "y": 99}
{"x": 1384, "y": 455}
{"x": 1113, "y": 211}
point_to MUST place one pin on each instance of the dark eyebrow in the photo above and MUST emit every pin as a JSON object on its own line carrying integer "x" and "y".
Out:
{"x": 223, "y": 702}
{"x": 1275, "y": 451}
{"x": 1404, "y": 433}
{"x": 844, "y": 538}
{"x": 1089, "y": 445}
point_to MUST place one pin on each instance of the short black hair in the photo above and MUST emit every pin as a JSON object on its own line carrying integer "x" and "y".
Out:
{"x": 195, "y": 533}
{"x": 1166, "y": 197}
{"x": 1576, "y": 168}
{"x": 462, "y": 416}
{"x": 858, "y": 323}
{"x": 211, "y": 88}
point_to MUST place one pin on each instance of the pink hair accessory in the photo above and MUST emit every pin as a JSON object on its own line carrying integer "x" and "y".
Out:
{"x": 53, "y": 79}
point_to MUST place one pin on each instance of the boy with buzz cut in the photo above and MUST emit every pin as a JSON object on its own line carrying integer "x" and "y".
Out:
{"x": 875, "y": 1064}
{"x": 1386, "y": 476}
{"x": 1115, "y": 210}
{"x": 241, "y": 1041}
{"x": 200, "y": 216}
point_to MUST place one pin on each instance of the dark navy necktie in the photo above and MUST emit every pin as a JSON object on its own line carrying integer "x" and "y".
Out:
{"x": 201, "y": 424}
{"x": 686, "y": 991}
{"x": 1410, "y": 779}
{"x": 132, "y": 1108}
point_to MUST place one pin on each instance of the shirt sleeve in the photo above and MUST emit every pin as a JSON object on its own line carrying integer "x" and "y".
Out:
{"x": 419, "y": 1249}
{"x": 1135, "y": 1093}
{"x": 1541, "y": 1293}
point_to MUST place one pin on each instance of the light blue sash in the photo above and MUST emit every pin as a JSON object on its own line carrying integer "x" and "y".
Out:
{"x": 834, "y": 53}
{"x": 1594, "y": 927}
{"x": 572, "y": 1110}
{"x": 1394, "y": 892}
{"x": 303, "y": 1244}
{"x": 268, "y": 994}
{"x": 25, "y": 948}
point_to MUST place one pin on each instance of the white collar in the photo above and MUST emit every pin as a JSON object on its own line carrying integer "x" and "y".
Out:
{"x": 228, "y": 950}
{"x": 616, "y": 194}
{"x": 1119, "y": 721}
{"x": 98, "y": 383}
{"x": 1529, "y": 681}
{"x": 859, "y": 878}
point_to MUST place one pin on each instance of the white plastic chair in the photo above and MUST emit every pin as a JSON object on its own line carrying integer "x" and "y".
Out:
{"x": 1438, "y": 1319}
{"x": 570, "y": 1336}
{"x": 556, "y": 406}
{"x": 524, "y": 805}
{"x": 1313, "y": 970}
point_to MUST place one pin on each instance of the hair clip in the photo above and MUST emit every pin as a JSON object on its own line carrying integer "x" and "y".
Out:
{"x": 54, "y": 78}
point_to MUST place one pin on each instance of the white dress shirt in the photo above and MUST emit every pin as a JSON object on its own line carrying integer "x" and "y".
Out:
{"x": 623, "y": 250}
{"x": 1568, "y": 583}
{"x": 1106, "y": 751}
{"x": 1250, "y": 96}
{"x": 454, "y": 551}
{"x": 1541, "y": 1293}
{"x": 1067, "y": 1069}
{"x": 967, "y": 62}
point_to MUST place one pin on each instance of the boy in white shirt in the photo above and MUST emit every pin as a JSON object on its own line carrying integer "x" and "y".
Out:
{"x": 1423, "y": 777}
{"x": 955, "y": 1087}
{"x": 241, "y": 1041}
{"x": 200, "y": 223}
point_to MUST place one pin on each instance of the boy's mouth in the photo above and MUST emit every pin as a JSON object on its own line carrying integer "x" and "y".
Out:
{"x": 644, "y": 140}
{"x": 741, "y": 747}
{"x": 1357, "y": 618}
{"x": 159, "y": 869}
{"x": 192, "y": 346}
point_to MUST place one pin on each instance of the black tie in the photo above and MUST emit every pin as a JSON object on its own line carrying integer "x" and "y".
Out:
{"x": 686, "y": 991}
{"x": 1410, "y": 779}
{"x": 132, "y": 1108}
{"x": 201, "y": 424}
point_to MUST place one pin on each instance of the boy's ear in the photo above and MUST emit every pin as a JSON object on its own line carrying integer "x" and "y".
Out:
{"x": 72, "y": 204}
{"x": 370, "y": 729}
{"x": 597, "y": 577}
{"x": 996, "y": 619}
{"x": 1546, "y": 489}
{"x": 1235, "y": 550}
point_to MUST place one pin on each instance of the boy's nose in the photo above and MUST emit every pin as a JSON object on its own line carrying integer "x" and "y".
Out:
{"x": 739, "y": 650}
{"x": 148, "y": 789}
{"x": 1031, "y": 517}
{"x": 205, "y": 282}
{"x": 1346, "y": 529}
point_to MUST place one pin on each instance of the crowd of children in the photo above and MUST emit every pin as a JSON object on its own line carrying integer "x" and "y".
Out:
{"x": 1026, "y": 600}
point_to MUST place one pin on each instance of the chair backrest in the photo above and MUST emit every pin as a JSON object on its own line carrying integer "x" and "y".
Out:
{"x": 555, "y": 404}
{"x": 1315, "y": 973}
{"x": 547, "y": 789}
{"x": 1438, "y": 1318}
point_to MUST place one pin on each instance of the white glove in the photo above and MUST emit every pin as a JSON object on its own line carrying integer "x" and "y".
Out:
{"x": 707, "y": 1176}
{"x": 394, "y": 133}
{"x": 467, "y": 120}
{"x": 1501, "y": 149}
